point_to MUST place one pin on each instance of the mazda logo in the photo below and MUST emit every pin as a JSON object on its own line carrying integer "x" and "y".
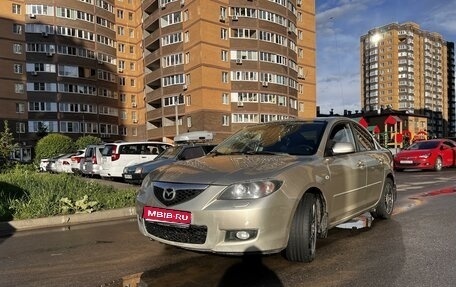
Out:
{"x": 169, "y": 194}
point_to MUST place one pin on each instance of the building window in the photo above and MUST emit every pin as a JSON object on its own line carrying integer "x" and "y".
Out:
{"x": 133, "y": 82}
{"x": 225, "y": 120}
{"x": 224, "y": 34}
{"x": 189, "y": 122}
{"x": 120, "y": 13}
{"x": 132, "y": 66}
{"x": 301, "y": 106}
{"x": 19, "y": 88}
{"x": 20, "y": 128}
{"x": 18, "y": 68}
{"x": 225, "y": 99}
{"x": 121, "y": 48}
{"x": 121, "y": 65}
{"x": 17, "y": 29}
{"x": 134, "y": 104}
{"x": 122, "y": 81}
{"x": 17, "y": 48}
{"x": 186, "y": 36}
{"x": 130, "y": 16}
{"x": 123, "y": 98}
{"x": 224, "y": 55}
{"x": 131, "y": 33}
{"x": 134, "y": 131}
{"x": 224, "y": 77}
{"x": 188, "y": 100}
{"x": 20, "y": 108}
{"x": 187, "y": 57}
{"x": 132, "y": 49}
{"x": 188, "y": 79}
{"x": 16, "y": 9}
{"x": 120, "y": 30}
{"x": 123, "y": 115}
{"x": 123, "y": 131}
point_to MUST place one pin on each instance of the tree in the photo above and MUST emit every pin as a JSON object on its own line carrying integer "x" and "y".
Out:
{"x": 84, "y": 141}
{"x": 7, "y": 144}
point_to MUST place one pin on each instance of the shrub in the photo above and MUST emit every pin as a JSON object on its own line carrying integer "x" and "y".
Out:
{"x": 52, "y": 145}
{"x": 84, "y": 141}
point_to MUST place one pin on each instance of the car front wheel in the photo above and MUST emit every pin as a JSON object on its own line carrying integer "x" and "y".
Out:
{"x": 303, "y": 232}
{"x": 438, "y": 164}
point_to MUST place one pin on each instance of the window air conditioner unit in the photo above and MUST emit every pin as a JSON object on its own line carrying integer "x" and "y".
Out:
{"x": 134, "y": 105}
{"x": 299, "y": 3}
{"x": 163, "y": 6}
{"x": 182, "y": 2}
{"x": 264, "y": 83}
{"x": 184, "y": 87}
{"x": 240, "y": 104}
{"x": 45, "y": 34}
{"x": 120, "y": 70}
{"x": 135, "y": 121}
{"x": 239, "y": 61}
{"x": 49, "y": 54}
{"x": 235, "y": 17}
{"x": 33, "y": 16}
{"x": 222, "y": 18}
{"x": 100, "y": 62}
{"x": 34, "y": 73}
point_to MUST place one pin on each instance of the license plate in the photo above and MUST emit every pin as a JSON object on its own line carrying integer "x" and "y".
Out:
{"x": 167, "y": 215}
{"x": 406, "y": 161}
{"x": 128, "y": 176}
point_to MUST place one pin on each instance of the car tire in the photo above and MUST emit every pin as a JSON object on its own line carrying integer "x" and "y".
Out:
{"x": 385, "y": 207}
{"x": 303, "y": 232}
{"x": 438, "y": 164}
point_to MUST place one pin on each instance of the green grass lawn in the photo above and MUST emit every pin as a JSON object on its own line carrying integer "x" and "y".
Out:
{"x": 26, "y": 193}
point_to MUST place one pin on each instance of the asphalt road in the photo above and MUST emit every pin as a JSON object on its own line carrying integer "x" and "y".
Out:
{"x": 414, "y": 248}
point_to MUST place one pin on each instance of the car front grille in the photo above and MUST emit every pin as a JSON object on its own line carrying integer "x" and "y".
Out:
{"x": 171, "y": 193}
{"x": 192, "y": 234}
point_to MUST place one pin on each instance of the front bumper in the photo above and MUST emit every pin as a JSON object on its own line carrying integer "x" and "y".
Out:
{"x": 214, "y": 222}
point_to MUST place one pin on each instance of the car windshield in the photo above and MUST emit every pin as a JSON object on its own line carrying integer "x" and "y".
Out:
{"x": 294, "y": 137}
{"x": 170, "y": 152}
{"x": 423, "y": 145}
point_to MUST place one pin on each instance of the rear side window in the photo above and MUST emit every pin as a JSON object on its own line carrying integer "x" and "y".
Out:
{"x": 108, "y": 150}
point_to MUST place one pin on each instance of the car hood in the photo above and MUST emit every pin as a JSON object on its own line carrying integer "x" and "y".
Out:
{"x": 225, "y": 169}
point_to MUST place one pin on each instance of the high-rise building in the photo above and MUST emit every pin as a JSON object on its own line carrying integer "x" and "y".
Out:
{"x": 220, "y": 65}
{"x": 151, "y": 69}
{"x": 406, "y": 68}
{"x": 72, "y": 67}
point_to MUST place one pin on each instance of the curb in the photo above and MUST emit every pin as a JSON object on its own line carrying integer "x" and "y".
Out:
{"x": 65, "y": 220}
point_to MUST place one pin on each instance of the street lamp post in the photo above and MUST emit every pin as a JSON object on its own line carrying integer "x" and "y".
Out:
{"x": 176, "y": 102}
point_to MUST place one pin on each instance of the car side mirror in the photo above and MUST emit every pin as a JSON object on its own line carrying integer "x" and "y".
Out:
{"x": 342, "y": 148}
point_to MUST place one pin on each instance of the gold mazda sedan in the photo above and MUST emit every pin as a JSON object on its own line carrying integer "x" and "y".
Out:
{"x": 271, "y": 187}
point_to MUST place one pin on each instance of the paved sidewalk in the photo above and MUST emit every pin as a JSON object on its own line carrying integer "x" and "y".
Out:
{"x": 65, "y": 220}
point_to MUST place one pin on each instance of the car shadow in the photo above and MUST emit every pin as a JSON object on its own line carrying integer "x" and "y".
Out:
{"x": 345, "y": 258}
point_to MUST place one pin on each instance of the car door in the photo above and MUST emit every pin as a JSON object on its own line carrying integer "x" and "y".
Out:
{"x": 347, "y": 176}
{"x": 373, "y": 161}
{"x": 447, "y": 151}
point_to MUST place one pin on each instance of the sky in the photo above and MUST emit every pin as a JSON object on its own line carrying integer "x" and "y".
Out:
{"x": 341, "y": 23}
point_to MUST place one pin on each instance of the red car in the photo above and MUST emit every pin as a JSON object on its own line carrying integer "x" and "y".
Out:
{"x": 432, "y": 154}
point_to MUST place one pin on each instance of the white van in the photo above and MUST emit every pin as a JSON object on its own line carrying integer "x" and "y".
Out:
{"x": 116, "y": 156}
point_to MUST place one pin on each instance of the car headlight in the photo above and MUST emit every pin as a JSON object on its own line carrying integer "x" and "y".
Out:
{"x": 250, "y": 190}
{"x": 138, "y": 170}
{"x": 426, "y": 155}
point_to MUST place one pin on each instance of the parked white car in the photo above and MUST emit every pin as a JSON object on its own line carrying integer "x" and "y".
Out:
{"x": 90, "y": 164}
{"x": 65, "y": 163}
{"x": 116, "y": 156}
